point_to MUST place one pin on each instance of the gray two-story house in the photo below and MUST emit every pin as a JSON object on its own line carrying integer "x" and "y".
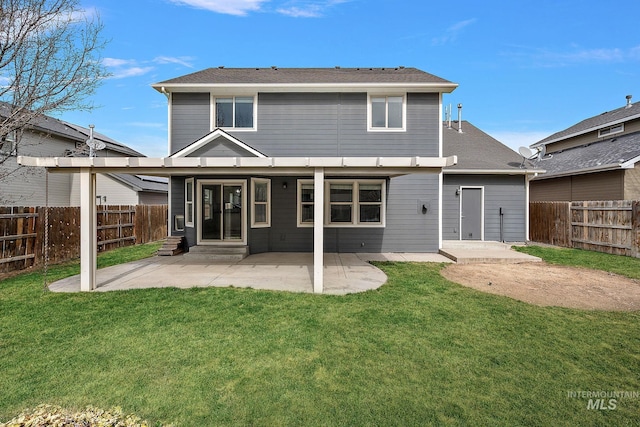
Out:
{"x": 308, "y": 113}
{"x": 316, "y": 160}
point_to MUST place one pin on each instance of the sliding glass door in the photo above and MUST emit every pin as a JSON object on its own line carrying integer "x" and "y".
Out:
{"x": 221, "y": 211}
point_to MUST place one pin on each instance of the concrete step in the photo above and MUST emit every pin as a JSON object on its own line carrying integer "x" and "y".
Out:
{"x": 173, "y": 245}
{"x": 486, "y": 256}
{"x": 218, "y": 252}
{"x": 474, "y": 245}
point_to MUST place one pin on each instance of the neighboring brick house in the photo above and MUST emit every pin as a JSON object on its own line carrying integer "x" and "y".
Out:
{"x": 595, "y": 159}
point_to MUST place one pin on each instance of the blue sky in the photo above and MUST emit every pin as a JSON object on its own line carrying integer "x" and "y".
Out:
{"x": 525, "y": 69}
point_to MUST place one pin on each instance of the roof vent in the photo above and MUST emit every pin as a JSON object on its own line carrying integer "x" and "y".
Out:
{"x": 337, "y": 67}
{"x": 274, "y": 67}
{"x": 628, "y": 101}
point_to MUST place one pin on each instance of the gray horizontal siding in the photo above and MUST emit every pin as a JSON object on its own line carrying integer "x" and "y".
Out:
{"x": 407, "y": 228}
{"x": 314, "y": 124}
{"x": 190, "y": 118}
{"x": 506, "y": 191}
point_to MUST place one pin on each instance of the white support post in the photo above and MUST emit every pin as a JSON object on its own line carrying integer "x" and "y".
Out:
{"x": 88, "y": 232}
{"x": 318, "y": 230}
{"x": 526, "y": 207}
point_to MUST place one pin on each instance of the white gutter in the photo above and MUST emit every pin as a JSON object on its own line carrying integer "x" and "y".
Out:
{"x": 494, "y": 171}
{"x": 226, "y": 88}
{"x": 601, "y": 168}
{"x": 591, "y": 129}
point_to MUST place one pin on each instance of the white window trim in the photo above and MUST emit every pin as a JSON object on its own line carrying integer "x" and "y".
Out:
{"x": 9, "y": 144}
{"x": 234, "y": 96}
{"x": 254, "y": 224}
{"x": 611, "y": 130}
{"x": 355, "y": 203}
{"x": 188, "y": 223}
{"x": 370, "y": 127}
{"x": 223, "y": 242}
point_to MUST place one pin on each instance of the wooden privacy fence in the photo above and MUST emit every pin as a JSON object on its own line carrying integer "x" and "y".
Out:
{"x": 22, "y": 232}
{"x": 603, "y": 226}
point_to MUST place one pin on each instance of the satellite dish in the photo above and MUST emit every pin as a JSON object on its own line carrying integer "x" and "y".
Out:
{"x": 542, "y": 150}
{"x": 525, "y": 152}
{"x": 94, "y": 144}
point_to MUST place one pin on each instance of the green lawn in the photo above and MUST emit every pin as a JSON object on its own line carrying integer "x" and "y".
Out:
{"x": 623, "y": 265}
{"x": 418, "y": 351}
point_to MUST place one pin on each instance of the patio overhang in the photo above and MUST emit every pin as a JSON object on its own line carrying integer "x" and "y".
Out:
{"x": 166, "y": 166}
{"x": 318, "y": 167}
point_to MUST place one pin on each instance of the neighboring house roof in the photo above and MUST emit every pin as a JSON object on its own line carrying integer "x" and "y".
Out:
{"x": 111, "y": 144}
{"x": 478, "y": 152}
{"x": 620, "y": 152}
{"x": 308, "y": 76}
{"x": 145, "y": 183}
{"x": 606, "y": 119}
{"x": 51, "y": 125}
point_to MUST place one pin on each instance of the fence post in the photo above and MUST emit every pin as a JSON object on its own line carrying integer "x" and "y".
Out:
{"x": 635, "y": 229}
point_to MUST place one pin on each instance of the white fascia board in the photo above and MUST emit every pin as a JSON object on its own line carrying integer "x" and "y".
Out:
{"x": 234, "y": 88}
{"x": 631, "y": 163}
{"x": 218, "y": 133}
{"x": 601, "y": 168}
{"x": 493, "y": 171}
{"x": 591, "y": 129}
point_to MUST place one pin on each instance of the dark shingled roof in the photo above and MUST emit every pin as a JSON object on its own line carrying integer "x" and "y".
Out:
{"x": 477, "y": 150}
{"x": 600, "y": 121}
{"x": 51, "y": 125}
{"x": 143, "y": 183}
{"x": 606, "y": 154}
{"x": 276, "y": 75}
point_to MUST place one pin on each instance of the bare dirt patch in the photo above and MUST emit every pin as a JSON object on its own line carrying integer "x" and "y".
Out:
{"x": 550, "y": 285}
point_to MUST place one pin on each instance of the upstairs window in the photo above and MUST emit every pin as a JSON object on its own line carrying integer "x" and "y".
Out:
{"x": 387, "y": 113}
{"x": 236, "y": 112}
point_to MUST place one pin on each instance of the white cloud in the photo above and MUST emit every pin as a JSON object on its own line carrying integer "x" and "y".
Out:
{"x": 185, "y": 61}
{"x": 296, "y": 12}
{"x": 308, "y": 8}
{"x": 131, "y": 72}
{"x": 123, "y": 68}
{"x": 451, "y": 33}
{"x": 115, "y": 62}
{"x": 229, "y": 7}
{"x": 543, "y": 57}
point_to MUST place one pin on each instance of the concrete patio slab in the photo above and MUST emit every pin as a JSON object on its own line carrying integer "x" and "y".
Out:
{"x": 343, "y": 274}
{"x": 281, "y": 271}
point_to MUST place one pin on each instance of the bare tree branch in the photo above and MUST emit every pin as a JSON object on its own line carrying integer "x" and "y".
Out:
{"x": 50, "y": 61}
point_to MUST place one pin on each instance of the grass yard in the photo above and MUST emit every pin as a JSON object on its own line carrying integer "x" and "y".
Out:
{"x": 622, "y": 265}
{"x": 418, "y": 351}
